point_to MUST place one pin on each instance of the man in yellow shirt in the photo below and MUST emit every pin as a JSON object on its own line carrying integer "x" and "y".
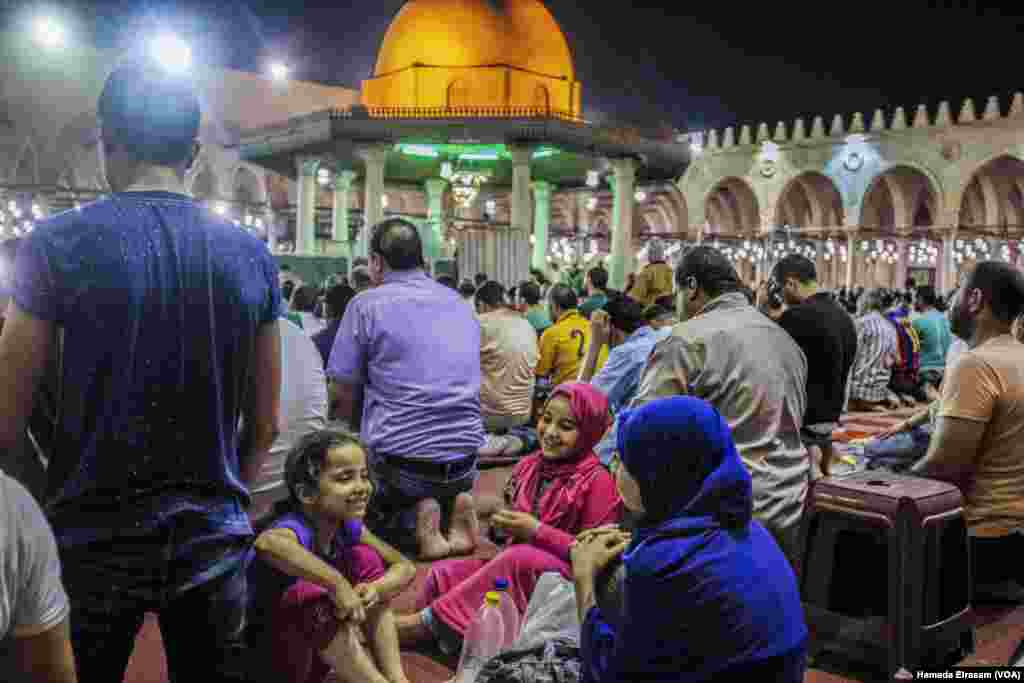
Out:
{"x": 563, "y": 346}
{"x": 655, "y": 280}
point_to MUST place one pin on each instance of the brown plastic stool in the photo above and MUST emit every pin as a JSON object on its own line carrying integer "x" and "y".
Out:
{"x": 926, "y": 556}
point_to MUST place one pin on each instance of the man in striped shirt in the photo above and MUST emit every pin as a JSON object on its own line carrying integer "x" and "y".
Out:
{"x": 877, "y": 349}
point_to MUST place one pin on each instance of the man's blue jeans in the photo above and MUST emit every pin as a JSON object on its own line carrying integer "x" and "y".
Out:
{"x": 112, "y": 584}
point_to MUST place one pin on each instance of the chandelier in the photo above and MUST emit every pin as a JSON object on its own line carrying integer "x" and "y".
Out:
{"x": 466, "y": 186}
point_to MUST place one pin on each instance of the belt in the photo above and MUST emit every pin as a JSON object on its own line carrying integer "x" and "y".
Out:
{"x": 442, "y": 470}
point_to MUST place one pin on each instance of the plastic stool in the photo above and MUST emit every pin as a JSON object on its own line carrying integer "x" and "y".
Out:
{"x": 920, "y": 523}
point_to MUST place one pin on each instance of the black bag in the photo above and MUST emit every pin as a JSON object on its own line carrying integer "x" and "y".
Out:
{"x": 557, "y": 662}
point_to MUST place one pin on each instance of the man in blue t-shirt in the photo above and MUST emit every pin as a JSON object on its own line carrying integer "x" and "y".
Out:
{"x": 932, "y": 327}
{"x": 162, "y": 320}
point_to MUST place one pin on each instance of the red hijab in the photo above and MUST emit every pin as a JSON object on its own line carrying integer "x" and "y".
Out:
{"x": 565, "y": 480}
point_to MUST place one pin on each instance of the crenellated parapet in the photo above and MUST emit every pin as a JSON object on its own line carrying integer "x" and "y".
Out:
{"x": 783, "y": 132}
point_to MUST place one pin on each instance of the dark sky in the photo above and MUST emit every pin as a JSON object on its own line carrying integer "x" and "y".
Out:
{"x": 694, "y": 64}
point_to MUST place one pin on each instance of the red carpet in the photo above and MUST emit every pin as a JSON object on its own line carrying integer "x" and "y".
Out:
{"x": 999, "y": 630}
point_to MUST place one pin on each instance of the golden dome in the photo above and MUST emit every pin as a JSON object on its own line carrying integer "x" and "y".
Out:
{"x": 461, "y": 33}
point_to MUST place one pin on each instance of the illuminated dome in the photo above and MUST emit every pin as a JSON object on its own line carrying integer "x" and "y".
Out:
{"x": 452, "y": 44}
{"x": 518, "y": 33}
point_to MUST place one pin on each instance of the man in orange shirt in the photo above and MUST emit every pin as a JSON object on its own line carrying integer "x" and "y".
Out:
{"x": 977, "y": 443}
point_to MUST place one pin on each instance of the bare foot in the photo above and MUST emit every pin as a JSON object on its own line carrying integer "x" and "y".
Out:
{"x": 431, "y": 543}
{"x": 465, "y": 531}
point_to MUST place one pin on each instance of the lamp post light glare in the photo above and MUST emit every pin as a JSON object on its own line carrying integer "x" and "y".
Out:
{"x": 172, "y": 53}
{"x": 49, "y": 32}
{"x": 279, "y": 71}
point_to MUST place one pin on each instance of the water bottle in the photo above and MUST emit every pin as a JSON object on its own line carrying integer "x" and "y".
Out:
{"x": 483, "y": 639}
{"x": 509, "y": 613}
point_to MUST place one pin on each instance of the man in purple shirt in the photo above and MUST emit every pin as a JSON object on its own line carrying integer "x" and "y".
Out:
{"x": 410, "y": 347}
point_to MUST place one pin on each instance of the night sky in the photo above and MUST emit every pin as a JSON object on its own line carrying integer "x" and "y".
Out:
{"x": 694, "y": 65}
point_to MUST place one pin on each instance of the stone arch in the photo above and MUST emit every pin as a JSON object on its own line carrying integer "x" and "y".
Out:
{"x": 26, "y": 171}
{"x": 994, "y": 195}
{"x": 810, "y": 200}
{"x": 459, "y": 93}
{"x": 900, "y": 198}
{"x": 247, "y": 187}
{"x": 731, "y": 208}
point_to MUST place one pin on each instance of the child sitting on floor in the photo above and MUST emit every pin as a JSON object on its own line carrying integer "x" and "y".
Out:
{"x": 552, "y": 495}
{"x": 318, "y": 576}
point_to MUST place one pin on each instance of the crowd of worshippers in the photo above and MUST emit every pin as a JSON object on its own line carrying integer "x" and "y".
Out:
{"x": 191, "y": 444}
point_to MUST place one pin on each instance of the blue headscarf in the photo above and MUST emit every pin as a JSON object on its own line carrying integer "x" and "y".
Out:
{"x": 681, "y": 453}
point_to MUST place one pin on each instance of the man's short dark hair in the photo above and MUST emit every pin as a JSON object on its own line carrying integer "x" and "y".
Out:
{"x": 447, "y": 281}
{"x": 337, "y": 299}
{"x": 530, "y": 292}
{"x": 304, "y": 299}
{"x": 480, "y": 279}
{"x": 927, "y": 296}
{"x": 598, "y": 277}
{"x": 361, "y": 277}
{"x": 360, "y": 261}
{"x": 467, "y": 289}
{"x": 656, "y": 312}
{"x": 711, "y": 270}
{"x": 795, "y": 266}
{"x": 397, "y": 241}
{"x": 287, "y": 289}
{"x": 491, "y": 293}
{"x": 1002, "y": 287}
{"x": 625, "y": 314}
{"x": 153, "y": 114}
{"x": 563, "y": 297}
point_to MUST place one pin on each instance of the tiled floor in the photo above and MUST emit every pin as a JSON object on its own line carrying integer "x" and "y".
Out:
{"x": 999, "y": 629}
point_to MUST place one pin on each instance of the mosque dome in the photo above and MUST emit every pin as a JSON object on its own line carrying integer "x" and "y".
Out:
{"x": 476, "y": 33}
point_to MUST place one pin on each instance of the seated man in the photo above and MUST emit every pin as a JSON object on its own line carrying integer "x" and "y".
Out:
{"x": 630, "y": 340}
{"x": 726, "y": 352}
{"x": 655, "y": 279}
{"x": 595, "y": 284}
{"x": 564, "y": 345}
{"x": 977, "y": 442}
{"x": 536, "y": 313}
{"x": 414, "y": 346}
{"x": 508, "y": 356}
{"x": 877, "y": 347}
{"x": 303, "y": 410}
{"x": 933, "y": 329}
{"x": 34, "y": 608}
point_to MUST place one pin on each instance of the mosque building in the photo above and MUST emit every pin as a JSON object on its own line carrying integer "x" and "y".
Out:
{"x": 478, "y": 137}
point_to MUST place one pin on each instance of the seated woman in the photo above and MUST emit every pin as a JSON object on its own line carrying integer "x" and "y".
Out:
{"x": 707, "y": 593}
{"x": 552, "y": 496}
{"x": 318, "y": 576}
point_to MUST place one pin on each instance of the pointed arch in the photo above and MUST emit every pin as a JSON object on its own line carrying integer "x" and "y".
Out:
{"x": 731, "y": 208}
{"x": 900, "y": 198}
{"x": 993, "y": 196}
{"x": 26, "y": 171}
{"x": 810, "y": 200}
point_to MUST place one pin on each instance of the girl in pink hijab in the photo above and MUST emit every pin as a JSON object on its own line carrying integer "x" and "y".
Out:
{"x": 552, "y": 495}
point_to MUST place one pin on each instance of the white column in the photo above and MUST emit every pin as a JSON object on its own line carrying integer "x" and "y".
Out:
{"x": 947, "y": 274}
{"x": 520, "y": 189}
{"x": 270, "y": 220}
{"x": 850, "y": 254}
{"x": 305, "y": 214}
{"x": 373, "y": 212}
{"x": 541, "y": 223}
{"x": 339, "y": 215}
{"x": 623, "y": 187}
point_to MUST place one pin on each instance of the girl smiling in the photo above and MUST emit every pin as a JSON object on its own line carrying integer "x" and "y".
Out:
{"x": 319, "y": 576}
{"x": 552, "y": 495}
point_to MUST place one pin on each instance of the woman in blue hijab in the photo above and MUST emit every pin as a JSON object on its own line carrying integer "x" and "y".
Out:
{"x": 707, "y": 592}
